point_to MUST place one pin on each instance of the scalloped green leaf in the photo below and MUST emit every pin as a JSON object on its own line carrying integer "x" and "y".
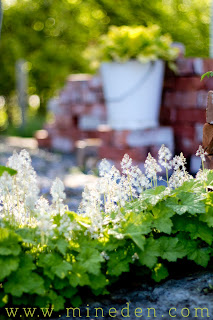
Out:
{"x": 188, "y": 202}
{"x": 171, "y": 249}
{"x": 148, "y": 257}
{"x": 8, "y": 264}
{"x": 9, "y": 243}
{"x": 24, "y": 280}
{"x": 195, "y": 228}
{"x": 91, "y": 259}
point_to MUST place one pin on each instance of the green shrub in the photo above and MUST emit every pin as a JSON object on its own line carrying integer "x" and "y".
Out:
{"x": 48, "y": 254}
{"x": 141, "y": 43}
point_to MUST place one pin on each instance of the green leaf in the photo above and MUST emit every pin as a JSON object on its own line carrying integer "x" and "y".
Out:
{"x": 54, "y": 264}
{"x": 61, "y": 245}
{"x": 159, "y": 272}
{"x": 3, "y": 169}
{"x": 56, "y": 301}
{"x": 201, "y": 256}
{"x": 78, "y": 276}
{"x": 8, "y": 264}
{"x": 207, "y": 74}
{"x": 196, "y": 228}
{"x": 208, "y": 215}
{"x": 91, "y": 259}
{"x": 135, "y": 226}
{"x": 76, "y": 301}
{"x": 188, "y": 202}
{"x": 161, "y": 217}
{"x": 27, "y": 235}
{"x": 60, "y": 283}
{"x": 151, "y": 196}
{"x": 148, "y": 257}
{"x": 119, "y": 262}
{"x": 69, "y": 292}
{"x": 24, "y": 280}
{"x": 171, "y": 249}
{"x": 62, "y": 269}
{"x": 98, "y": 282}
{"x": 9, "y": 242}
{"x": 138, "y": 239}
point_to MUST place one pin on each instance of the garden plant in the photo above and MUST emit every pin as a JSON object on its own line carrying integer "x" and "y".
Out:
{"x": 140, "y": 43}
{"x": 127, "y": 223}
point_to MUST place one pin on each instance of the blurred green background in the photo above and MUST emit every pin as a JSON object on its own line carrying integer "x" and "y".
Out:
{"x": 51, "y": 35}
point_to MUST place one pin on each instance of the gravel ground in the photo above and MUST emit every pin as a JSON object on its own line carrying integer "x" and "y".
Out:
{"x": 176, "y": 298}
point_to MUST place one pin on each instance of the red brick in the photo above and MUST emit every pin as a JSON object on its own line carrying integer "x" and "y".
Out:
{"x": 185, "y": 67}
{"x": 169, "y": 83}
{"x": 167, "y": 115}
{"x": 207, "y": 65}
{"x": 183, "y": 130}
{"x": 44, "y": 143}
{"x": 190, "y": 115}
{"x": 178, "y": 115}
{"x": 116, "y": 154}
{"x": 186, "y": 145}
{"x": 202, "y": 99}
{"x": 96, "y": 109}
{"x": 119, "y": 138}
{"x": 208, "y": 83}
{"x": 91, "y": 134}
{"x": 78, "y": 109}
{"x": 180, "y": 99}
{"x": 105, "y": 133}
{"x": 72, "y": 133}
{"x": 95, "y": 83}
{"x": 188, "y": 84}
{"x": 63, "y": 121}
{"x": 43, "y": 138}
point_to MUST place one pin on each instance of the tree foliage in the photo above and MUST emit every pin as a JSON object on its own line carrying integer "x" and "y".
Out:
{"x": 52, "y": 35}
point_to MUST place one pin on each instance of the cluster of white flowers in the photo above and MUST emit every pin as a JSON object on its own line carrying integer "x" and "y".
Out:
{"x": 180, "y": 174}
{"x": 102, "y": 203}
{"x": 164, "y": 157}
{"x": 201, "y": 153}
{"x": 20, "y": 203}
{"x": 151, "y": 167}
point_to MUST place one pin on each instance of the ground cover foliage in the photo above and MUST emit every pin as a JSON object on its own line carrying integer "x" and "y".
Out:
{"x": 127, "y": 223}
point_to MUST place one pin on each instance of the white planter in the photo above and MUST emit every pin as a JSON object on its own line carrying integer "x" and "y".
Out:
{"x": 132, "y": 93}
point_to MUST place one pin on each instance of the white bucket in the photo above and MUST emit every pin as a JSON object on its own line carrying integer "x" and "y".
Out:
{"x": 132, "y": 92}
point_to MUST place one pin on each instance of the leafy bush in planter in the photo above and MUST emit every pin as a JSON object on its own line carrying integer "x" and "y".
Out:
{"x": 49, "y": 256}
{"x": 141, "y": 43}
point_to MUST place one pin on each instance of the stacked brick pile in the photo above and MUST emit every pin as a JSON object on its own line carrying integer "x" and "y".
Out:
{"x": 80, "y": 114}
{"x": 184, "y": 105}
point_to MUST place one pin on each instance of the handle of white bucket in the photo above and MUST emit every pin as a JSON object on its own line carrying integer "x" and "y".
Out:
{"x": 137, "y": 86}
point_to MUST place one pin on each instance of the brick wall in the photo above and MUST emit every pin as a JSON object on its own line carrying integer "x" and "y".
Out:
{"x": 80, "y": 113}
